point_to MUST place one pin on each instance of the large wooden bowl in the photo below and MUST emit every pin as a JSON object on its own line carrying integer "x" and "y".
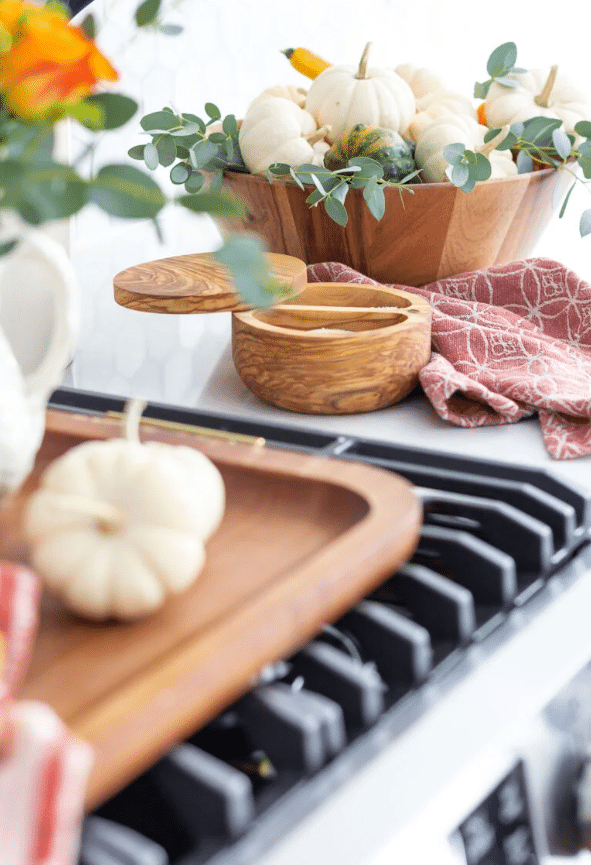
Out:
{"x": 336, "y": 348}
{"x": 428, "y": 232}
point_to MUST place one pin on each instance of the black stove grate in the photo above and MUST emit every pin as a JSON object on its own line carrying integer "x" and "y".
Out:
{"x": 494, "y": 538}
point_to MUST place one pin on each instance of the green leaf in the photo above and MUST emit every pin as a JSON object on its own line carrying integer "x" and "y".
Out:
{"x": 488, "y": 136}
{"x": 166, "y": 146}
{"x": 126, "y": 192}
{"x": 88, "y": 26}
{"x": 216, "y": 181}
{"x": 188, "y": 129}
{"x": 584, "y": 161}
{"x": 539, "y": 130}
{"x": 338, "y": 189}
{"x": 524, "y": 162}
{"x": 202, "y": 152}
{"x": 159, "y": 121}
{"x": 213, "y": 112}
{"x": 115, "y": 108}
{"x": 369, "y": 167}
{"x": 194, "y": 119}
{"x": 170, "y": 29}
{"x": 336, "y": 210}
{"x": 7, "y": 246}
{"x": 502, "y": 59}
{"x": 481, "y": 89}
{"x": 279, "y": 169}
{"x": 561, "y": 142}
{"x": 180, "y": 173}
{"x": 293, "y": 174}
{"x": 151, "y": 157}
{"x": 376, "y": 201}
{"x": 585, "y": 223}
{"x": 314, "y": 198}
{"x": 454, "y": 153}
{"x": 583, "y": 127}
{"x": 54, "y": 192}
{"x": 507, "y": 143}
{"x": 230, "y": 125}
{"x": 507, "y": 82}
{"x": 557, "y": 189}
{"x": 244, "y": 256}
{"x": 147, "y": 12}
{"x": 195, "y": 182}
{"x": 214, "y": 203}
{"x": 217, "y": 137}
{"x": 137, "y": 151}
{"x": 482, "y": 169}
{"x": 468, "y": 185}
{"x": 87, "y": 115}
{"x": 459, "y": 175}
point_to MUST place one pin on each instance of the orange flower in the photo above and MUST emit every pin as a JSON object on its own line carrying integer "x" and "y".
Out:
{"x": 49, "y": 65}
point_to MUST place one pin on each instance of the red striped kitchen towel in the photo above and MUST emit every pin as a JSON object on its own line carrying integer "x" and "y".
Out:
{"x": 43, "y": 767}
{"x": 508, "y": 342}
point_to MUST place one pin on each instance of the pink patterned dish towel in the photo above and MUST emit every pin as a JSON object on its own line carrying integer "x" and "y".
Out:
{"x": 43, "y": 767}
{"x": 508, "y": 342}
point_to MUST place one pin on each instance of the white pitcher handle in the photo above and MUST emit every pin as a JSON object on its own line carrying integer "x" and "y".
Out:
{"x": 56, "y": 273}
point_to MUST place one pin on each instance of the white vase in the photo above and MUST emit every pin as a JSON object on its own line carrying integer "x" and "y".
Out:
{"x": 39, "y": 319}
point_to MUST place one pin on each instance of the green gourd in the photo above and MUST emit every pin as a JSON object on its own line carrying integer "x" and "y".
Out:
{"x": 386, "y": 146}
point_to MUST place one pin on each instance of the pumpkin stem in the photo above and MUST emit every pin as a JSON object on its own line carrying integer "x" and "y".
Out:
{"x": 318, "y": 135}
{"x": 543, "y": 98}
{"x": 362, "y": 71}
{"x": 132, "y": 415}
{"x": 489, "y": 146}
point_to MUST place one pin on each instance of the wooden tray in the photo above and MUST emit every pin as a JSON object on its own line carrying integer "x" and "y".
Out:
{"x": 303, "y": 538}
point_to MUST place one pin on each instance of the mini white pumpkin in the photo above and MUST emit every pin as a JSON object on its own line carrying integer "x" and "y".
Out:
{"x": 435, "y": 104}
{"x": 117, "y": 526}
{"x": 275, "y": 129}
{"x": 420, "y": 79}
{"x": 287, "y": 91}
{"x": 452, "y": 129}
{"x": 541, "y": 92}
{"x": 343, "y": 96}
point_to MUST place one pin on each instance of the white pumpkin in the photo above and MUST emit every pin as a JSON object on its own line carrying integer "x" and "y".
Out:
{"x": 116, "y": 526}
{"x": 343, "y": 96}
{"x": 420, "y": 79}
{"x": 452, "y": 129}
{"x": 275, "y": 129}
{"x": 541, "y": 92}
{"x": 287, "y": 91}
{"x": 435, "y": 104}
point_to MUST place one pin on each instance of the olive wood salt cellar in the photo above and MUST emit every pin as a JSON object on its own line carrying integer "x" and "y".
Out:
{"x": 326, "y": 348}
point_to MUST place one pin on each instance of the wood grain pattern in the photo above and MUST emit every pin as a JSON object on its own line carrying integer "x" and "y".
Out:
{"x": 327, "y": 358}
{"x": 428, "y": 232}
{"x": 303, "y": 538}
{"x": 194, "y": 283}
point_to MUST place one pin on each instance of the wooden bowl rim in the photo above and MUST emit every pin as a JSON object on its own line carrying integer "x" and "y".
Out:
{"x": 446, "y": 185}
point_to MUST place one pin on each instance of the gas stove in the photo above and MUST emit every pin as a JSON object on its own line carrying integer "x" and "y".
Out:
{"x": 445, "y": 718}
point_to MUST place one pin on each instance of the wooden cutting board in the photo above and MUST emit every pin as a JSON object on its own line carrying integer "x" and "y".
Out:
{"x": 303, "y": 538}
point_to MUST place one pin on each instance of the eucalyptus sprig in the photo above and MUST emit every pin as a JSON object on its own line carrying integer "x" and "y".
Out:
{"x": 537, "y": 140}
{"x": 185, "y": 143}
{"x": 500, "y": 64}
{"x": 332, "y": 187}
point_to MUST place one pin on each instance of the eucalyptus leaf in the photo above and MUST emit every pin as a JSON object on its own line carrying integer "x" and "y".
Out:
{"x": 244, "y": 256}
{"x": 488, "y": 136}
{"x": 377, "y": 202}
{"x": 180, "y": 173}
{"x": 202, "y": 152}
{"x": 279, "y": 169}
{"x": 584, "y": 161}
{"x": 151, "y": 157}
{"x": 481, "y": 89}
{"x": 507, "y": 143}
{"x": 88, "y": 26}
{"x": 147, "y": 12}
{"x": 507, "y": 82}
{"x": 314, "y": 198}
{"x": 217, "y": 137}
{"x": 159, "y": 121}
{"x": 454, "y": 153}
{"x": 368, "y": 167}
{"x": 502, "y": 59}
{"x": 460, "y": 175}
{"x": 126, "y": 192}
{"x": 524, "y": 162}
{"x": 8, "y": 245}
{"x": 116, "y": 109}
{"x": 557, "y": 192}
{"x": 188, "y": 129}
{"x": 561, "y": 143}
{"x": 213, "y": 112}
{"x": 195, "y": 182}
{"x": 194, "y": 119}
{"x": 336, "y": 210}
{"x": 215, "y": 182}
{"x": 137, "y": 151}
{"x": 339, "y": 191}
{"x": 230, "y": 125}
{"x": 214, "y": 203}
{"x": 166, "y": 146}
{"x": 170, "y": 29}
{"x": 293, "y": 174}
{"x": 468, "y": 185}
{"x": 482, "y": 168}
{"x": 585, "y": 223}
{"x": 583, "y": 127}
